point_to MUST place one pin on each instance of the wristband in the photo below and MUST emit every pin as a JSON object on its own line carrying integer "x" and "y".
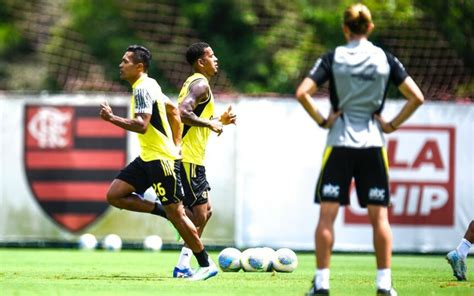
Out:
{"x": 323, "y": 123}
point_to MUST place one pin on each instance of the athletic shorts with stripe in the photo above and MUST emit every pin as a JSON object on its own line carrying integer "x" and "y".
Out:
{"x": 162, "y": 175}
{"x": 368, "y": 167}
{"x": 195, "y": 184}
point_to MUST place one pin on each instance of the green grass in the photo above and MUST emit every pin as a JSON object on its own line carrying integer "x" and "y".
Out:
{"x": 73, "y": 272}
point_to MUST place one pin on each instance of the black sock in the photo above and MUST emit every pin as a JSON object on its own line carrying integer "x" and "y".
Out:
{"x": 202, "y": 258}
{"x": 159, "y": 210}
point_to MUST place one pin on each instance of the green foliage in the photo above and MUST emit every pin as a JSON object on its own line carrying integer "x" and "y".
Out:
{"x": 10, "y": 37}
{"x": 455, "y": 20}
{"x": 263, "y": 46}
{"x": 266, "y": 45}
{"x": 101, "y": 24}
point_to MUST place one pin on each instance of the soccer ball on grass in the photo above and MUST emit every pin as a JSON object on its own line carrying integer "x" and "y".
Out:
{"x": 285, "y": 260}
{"x": 112, "y": 242}
{"x": 87, "y": 241}
{"x": 152, "y": 243}
{"x": 229, "y": 259}
{"x": 255, "y": 260}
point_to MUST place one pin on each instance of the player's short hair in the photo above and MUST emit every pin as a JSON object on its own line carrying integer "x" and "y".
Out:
{"x": 141, "y": 54}
{"x": 357, "y": 18}
{"x": 195, "y": 52}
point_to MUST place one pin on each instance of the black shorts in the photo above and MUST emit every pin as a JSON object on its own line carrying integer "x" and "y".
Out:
{"x": 195, "y": 184}
{"x": 163, "y": 175}
{"x": 368, "y": 167}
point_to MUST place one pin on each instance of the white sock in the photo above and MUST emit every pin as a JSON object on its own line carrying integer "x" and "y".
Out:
{"x": 321, "y": 279}
{"x": 384, "y": 279}
{"x": 184, "y": 260}
{"x": 463, "y": 248}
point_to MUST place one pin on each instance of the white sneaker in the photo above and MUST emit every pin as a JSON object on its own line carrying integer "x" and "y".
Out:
{"x": 203, "y": 273}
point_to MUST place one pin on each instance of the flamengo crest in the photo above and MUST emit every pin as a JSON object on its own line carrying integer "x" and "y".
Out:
{"x": 71, "y": 156}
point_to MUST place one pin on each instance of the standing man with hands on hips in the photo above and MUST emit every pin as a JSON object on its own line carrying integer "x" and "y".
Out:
{"x": 358, "y": 73}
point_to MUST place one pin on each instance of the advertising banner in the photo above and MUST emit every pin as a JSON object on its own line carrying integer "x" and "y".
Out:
{"x": 58, "y": 159}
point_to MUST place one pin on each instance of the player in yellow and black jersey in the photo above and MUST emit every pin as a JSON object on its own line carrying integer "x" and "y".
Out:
{"x": 156, "y": 121}
{"x": 196, "y": 108}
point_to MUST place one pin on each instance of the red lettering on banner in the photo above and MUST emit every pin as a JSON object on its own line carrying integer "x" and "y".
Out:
{"x": 429, "y": 154}
{"x": 392, "y": 152}
{"x": 421, "y": 178}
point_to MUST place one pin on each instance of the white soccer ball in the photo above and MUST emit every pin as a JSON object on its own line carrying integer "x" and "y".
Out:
{"x": 87, "y": 241}
{"x": 254, "y": 259}
{"x": 152, "y": 243}
{"x": 229, "y": 259}
{"x": 112, "y": 242}
{"x": 271, "y": 254}
{"x": 285, "y": 260}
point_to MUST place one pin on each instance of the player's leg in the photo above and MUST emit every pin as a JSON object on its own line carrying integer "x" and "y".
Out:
{"x": 324, "y": 235}
{"x": 469, "y": 236}
{"x": 197, "y": 207}
{"x": 457, "y": 257}
{"x": 324, "y": 241}
{"x": 382, "y": 235}
{"x": 371, "y": 178}
{"x": 170, "y": 193}
{"x": 122, "y": 191}
{"x": 382, "y": 240}
{"x": 184, "y": 225}
{"x": 189, "y": 233}
{"x": 331, "y": 191}
{"x": 200, "y": 215}
{"x": 121, "y": 195}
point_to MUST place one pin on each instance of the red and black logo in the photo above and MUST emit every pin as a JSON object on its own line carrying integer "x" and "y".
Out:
{"x": 71, "y": 156}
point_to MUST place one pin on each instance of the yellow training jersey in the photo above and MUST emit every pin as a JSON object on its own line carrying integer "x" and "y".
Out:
{"x": 157, "y": 141}
{"x": 195, "y": 137}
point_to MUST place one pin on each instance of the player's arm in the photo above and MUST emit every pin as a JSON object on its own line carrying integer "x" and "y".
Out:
{"x": 172, "y": 113}
{"x": 415, "y": 99}
{"x": 409, "y": 90}
{"x": 303, "y": 93}
{"x": 138, "y": 124}
{"x": 197, "y": 92}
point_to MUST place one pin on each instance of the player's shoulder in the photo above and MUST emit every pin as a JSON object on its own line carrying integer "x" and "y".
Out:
{"x": 198, "y": 81}
{"x": 197, "y": 78}
{"x": 148, "y": 84}
{"x": 328, "y": 55}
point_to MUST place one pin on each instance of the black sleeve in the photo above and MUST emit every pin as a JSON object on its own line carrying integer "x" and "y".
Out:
{"x": 322, "y": 69}
{"x": 397, "y": 71}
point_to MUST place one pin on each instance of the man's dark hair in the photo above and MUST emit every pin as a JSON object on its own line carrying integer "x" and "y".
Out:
{"x": 195, "y": 52}
{"x": 141, "y": 54}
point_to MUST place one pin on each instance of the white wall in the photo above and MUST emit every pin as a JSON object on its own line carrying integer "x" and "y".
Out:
{"x": 263, "y": 174}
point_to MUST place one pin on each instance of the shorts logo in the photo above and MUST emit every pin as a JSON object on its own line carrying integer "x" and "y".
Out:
{"x": 330, "y": 190}
{"x": 377, "y": 194}
{"x": 71, "y": 156}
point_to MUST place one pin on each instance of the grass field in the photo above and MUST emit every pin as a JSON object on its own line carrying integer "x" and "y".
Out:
{"x": 135, "y": 272}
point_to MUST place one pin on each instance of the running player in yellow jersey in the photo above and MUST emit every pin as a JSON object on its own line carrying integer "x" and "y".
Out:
{"x": 156, "y": 121}
{"x": 196, "y": 108}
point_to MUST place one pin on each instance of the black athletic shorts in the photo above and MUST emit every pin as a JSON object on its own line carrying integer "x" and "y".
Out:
{"x": 368, "y": 167}
{"x": 195, "y": 185}
{"x": 162, "y": 175}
